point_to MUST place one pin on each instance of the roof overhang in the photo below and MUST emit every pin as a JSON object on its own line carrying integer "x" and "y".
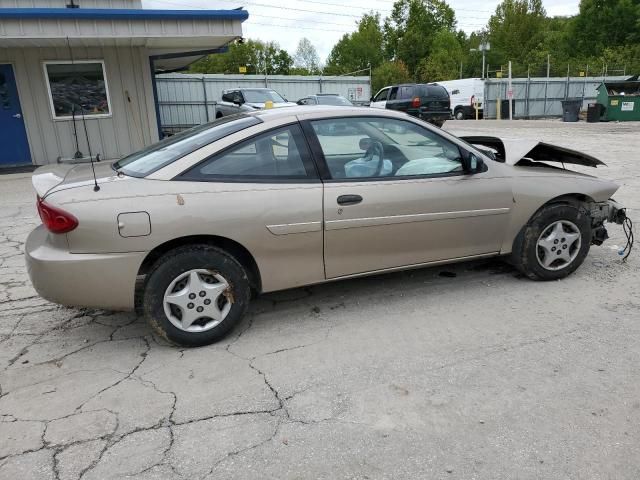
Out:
{"x": 192, "y": 33}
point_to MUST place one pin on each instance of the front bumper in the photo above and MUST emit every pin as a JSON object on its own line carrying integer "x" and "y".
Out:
{"x": 433, "y": 116}
{"x": 98, "y": 280}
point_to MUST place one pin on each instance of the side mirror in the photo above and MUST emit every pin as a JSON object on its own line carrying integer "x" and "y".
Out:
{"x": 237, "y": 100}
{"x": 472, "y": 164}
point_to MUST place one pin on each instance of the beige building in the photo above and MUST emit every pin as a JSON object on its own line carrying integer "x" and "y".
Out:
{"x": 67, "y": 64}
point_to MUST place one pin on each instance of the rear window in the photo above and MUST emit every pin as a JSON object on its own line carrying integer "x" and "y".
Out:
{"x": 406, "y": 92}
{"x": 158, "y": 155}
{"x": 434, "y": 91}
{"x": 333, "y": 100}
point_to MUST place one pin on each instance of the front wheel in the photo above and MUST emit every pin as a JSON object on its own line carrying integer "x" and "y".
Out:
{"x": 459, "y": 115}
{"x": 554, "y": 243}
{"x": 194, "y": 295}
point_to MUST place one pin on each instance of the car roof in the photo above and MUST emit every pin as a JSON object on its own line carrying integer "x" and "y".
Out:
{"x": 273, "y": 114}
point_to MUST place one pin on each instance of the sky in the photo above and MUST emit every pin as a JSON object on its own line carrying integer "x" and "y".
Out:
{"x": 324, "y": 22}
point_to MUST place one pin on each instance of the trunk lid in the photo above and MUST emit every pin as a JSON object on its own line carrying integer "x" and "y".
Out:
{"x": 62, "y": 176}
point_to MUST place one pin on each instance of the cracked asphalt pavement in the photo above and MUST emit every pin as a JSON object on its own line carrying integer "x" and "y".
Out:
{"x": 464, "y": 371}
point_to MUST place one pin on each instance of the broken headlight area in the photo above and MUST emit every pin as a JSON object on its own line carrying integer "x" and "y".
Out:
{"x": 611, "y": 212}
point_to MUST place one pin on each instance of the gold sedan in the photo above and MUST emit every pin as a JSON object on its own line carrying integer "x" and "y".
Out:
{"x": 185, "y": 230}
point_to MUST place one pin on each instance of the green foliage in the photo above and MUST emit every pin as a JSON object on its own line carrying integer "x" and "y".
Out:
{"x": 357, "y": 50}
{"x": 444, "y": 61}
{"x": 257, "y": 56}
{"x": 418, "y": 42}
{"x": 410, "y": 29}
{"x": 516, "y": 29}
{"x": 306, "y": 60}
{"x": 605, "y": 23}
{"x": 389, "y": 73}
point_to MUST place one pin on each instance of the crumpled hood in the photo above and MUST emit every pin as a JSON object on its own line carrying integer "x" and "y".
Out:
{"x": 514, "y": 151}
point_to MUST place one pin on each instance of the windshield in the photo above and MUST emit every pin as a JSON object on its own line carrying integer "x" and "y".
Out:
{"x": 333, "y": 100}
{"x": 262, "y": 96}
{"x": 158, "y": 155}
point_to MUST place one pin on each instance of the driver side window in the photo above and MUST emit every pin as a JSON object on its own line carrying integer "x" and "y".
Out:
{"x": 382, "y": 95}
{"x": 385, "y": 148}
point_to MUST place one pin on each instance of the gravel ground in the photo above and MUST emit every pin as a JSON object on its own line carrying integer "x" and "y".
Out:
{"x": 421, "y": 374}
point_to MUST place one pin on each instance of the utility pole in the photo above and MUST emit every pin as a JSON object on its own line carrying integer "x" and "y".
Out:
{"x": 548, "y": 65}
{"x": 510, "y": 94}
{"x": 484, "y": 47}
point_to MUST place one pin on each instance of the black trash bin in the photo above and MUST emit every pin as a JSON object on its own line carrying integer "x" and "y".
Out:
{"x": 571, "y": 110}
{"x": 504, "y": 109}
{"x": 594, "y": 112}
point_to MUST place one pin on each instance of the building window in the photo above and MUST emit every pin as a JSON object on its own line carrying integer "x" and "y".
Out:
{"x": 77, "y": 88}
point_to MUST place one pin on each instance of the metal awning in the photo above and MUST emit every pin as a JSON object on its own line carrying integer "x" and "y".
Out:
{"x": 165, "y": 33}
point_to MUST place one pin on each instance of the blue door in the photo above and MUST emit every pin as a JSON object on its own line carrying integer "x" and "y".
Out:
{"x": 14, "y": 147}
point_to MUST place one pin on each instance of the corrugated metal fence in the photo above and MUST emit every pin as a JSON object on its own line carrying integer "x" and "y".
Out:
{"x": 185, "y": 100}
{"x": 540, "y": 97}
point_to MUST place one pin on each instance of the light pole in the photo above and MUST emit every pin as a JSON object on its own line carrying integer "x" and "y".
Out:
{"x": 484, "y": 47}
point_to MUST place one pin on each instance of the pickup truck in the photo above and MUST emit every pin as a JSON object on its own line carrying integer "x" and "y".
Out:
{"x": 239, "y": 100}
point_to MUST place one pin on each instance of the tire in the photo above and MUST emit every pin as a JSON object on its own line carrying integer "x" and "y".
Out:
{"x": 195, "y": 279}
{"x": 459, "y": 114}
{"x": 546, "y": 234}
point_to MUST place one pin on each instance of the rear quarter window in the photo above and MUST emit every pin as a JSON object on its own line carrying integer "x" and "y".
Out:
{"x": 161, "y": 154}
{"x": 406, "y": 92}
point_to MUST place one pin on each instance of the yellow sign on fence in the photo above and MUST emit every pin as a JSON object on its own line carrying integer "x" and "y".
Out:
{"x": 498, "y": 74}
{"x": 243, "y": 69}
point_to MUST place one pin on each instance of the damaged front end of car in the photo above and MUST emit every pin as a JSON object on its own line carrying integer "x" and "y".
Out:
{"x": 601, "y": 212}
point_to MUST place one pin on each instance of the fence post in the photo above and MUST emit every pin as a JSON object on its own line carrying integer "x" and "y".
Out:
{"x": 206, "y": 102}
{"x": 526, "y": 97}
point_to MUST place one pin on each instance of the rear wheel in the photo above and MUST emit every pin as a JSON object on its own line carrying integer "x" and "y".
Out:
{"x": 554, "y": 243}
{"x": 194, "y": 295}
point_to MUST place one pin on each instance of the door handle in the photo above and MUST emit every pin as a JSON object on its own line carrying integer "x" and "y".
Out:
{"x": 349, "y": 199}
{"x": 17, "y": 115}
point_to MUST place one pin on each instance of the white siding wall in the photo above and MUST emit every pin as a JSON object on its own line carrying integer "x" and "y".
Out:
{"x": 63, "y": 3}
{"x": 131, "y": 126}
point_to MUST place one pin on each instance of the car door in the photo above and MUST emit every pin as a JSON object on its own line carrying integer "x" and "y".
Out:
{"x": 411, "y": 205}
{"x": 265, "y": 194}
{"x": 380, "y": 100}
{"x": 393, "y": 100}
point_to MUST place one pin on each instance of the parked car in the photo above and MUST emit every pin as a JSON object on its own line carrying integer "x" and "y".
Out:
{"x": 325, "y": 99}
{"x": 186, "y": 229}
{"x": 427, "y": 101}
{"x": 464, "y": 94}
{"x": 247, "y": 100}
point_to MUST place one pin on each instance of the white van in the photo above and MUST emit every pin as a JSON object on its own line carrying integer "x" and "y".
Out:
{"x": 463, "y": 93}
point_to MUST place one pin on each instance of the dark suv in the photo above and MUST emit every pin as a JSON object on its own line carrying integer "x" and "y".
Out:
{"x": 428, "y": 101}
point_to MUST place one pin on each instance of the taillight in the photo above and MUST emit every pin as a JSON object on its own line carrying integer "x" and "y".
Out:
{"x": 415, "y": 103}
{"x": 55, "y": 219}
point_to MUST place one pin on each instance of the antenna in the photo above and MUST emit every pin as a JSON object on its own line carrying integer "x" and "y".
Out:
{"x": 96, "y": 187}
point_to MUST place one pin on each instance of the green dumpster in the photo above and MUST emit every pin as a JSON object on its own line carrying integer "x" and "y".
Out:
{"x": 621, "y": 100}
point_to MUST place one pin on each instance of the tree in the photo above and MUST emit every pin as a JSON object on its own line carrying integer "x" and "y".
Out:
{"x": 255, "y": 55}
{"x": 389, "y": 73}
{"x": 605, "y": 23}
{"x": 515, "y": 30}
{"x": 444, "y": 61}
{"x": 411, "y": 27}
{"x": 357, "y": 50}
{"x": 306, "y": 58}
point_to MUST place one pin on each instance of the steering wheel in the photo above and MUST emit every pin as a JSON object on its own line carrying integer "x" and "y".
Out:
{"x": 374, "y": 149}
